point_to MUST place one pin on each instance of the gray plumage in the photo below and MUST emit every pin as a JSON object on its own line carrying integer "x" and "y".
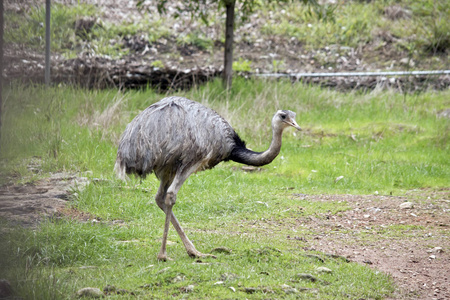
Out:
{"x": 176, "y": 137}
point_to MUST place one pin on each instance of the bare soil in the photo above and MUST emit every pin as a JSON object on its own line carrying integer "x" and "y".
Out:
{"x": 28, "y": 204}
{"x": 412, "y": 244}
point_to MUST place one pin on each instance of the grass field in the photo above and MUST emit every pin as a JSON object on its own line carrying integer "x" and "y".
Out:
{"x": 380, "y": 142}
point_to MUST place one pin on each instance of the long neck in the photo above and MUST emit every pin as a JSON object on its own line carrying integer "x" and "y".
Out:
{"x": 243, "y": 155}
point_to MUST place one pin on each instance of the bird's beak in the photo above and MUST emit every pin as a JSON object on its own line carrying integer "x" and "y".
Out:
{"x": 295, "y": 125}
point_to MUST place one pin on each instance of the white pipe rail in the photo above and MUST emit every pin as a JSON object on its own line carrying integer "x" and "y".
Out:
{"x": 354, "y": 74}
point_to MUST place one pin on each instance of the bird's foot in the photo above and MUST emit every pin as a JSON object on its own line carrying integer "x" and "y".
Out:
{"x": 163, "y": 257}
{"x": 197, "y": 254}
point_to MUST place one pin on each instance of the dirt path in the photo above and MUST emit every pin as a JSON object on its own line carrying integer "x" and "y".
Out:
{"x": 27, "y": 204}
{"x": 411, "y": 244}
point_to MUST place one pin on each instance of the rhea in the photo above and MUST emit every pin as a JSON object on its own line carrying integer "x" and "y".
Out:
{"x": 177, "y": 137}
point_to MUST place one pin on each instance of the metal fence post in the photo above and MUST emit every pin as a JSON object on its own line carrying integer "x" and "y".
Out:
{"x": 47, "y": 42}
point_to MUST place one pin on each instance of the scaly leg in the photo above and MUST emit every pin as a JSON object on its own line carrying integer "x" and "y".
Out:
{"x": 163, "y": 253}
{"x": 166, "y": 198}
{"x": 190, "y": 248}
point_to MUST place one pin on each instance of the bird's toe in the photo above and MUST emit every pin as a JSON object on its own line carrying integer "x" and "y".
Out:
{"x": 163, "y": 257}
{"x": 197, "y": 254}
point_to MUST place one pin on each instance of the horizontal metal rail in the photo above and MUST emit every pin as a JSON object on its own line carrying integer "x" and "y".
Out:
{"x": 355, "y": 74}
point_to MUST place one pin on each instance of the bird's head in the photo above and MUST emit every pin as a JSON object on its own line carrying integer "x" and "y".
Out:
{"x": 283, "y": 119}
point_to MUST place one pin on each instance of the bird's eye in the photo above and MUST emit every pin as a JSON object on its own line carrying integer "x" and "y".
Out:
{"x": 283, "y": 117}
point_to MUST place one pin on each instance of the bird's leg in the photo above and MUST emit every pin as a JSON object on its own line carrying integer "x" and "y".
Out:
{"x": 168, "y": 210}
{"x": 160, "y": 200}
{"x": 166, "y": 198}
{"x": 162, "y": 253}
{"x": 190, "y": 248}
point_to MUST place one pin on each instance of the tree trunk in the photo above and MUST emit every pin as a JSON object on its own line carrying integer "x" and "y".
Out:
{"x": 1, "y": 63}
{"x": 229, "y": 37}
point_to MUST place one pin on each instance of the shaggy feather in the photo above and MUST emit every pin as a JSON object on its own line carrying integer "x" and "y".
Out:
{"x": 171, "y": 134}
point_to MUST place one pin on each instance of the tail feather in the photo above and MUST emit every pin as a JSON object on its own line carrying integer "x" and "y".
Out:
{"x": 120, "y": 170}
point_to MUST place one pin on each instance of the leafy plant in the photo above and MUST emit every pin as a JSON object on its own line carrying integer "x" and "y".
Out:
{"x": 277, "y": 65}
{"x": 242, "y": 65}
{"x": 157, "y": 64}
{"x": 196, "y": 39}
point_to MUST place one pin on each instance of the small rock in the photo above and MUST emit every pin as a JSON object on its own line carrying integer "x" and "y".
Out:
{"x": 221, "y": 250}
{"x": 291, "y": 291}
{"x": 308, "y": 277}
{"x": 337, "y": 257}
{"x": 177, "y": 278}
{"x": 187, "y": 289}
{"x": 90, "y": 292}
{"x": 88, "y": 267}
{"x": 233, "y": 289}
{"x": 324, "y": 270}
{"x": 228, "y": 276}
{"x": 163, "y": 270}
{"x": 123, "y": 292}
{"x": 109, "y": 289}
{"x": 316, "y": 257}
{"x": 338, "y": 178}
{"x": 406, "y": 61}
{"x": 406, "y": 205}
{"x": 288, "y": 289}
{"x": 375, "y": 209}
{"x": 200, "y": 262}
{"x": 250, "y": 290}
{"x": 432, "y": 257}
{"x": 435, "y": 250}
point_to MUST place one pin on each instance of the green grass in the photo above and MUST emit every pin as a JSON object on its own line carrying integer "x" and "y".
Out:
{"x": 66, "y": 256}
{"x": 356, "y": 23}
{"x": 27, "y": 28}
{"x": 351, "y": 27}
{"x": 380, "y": 141}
